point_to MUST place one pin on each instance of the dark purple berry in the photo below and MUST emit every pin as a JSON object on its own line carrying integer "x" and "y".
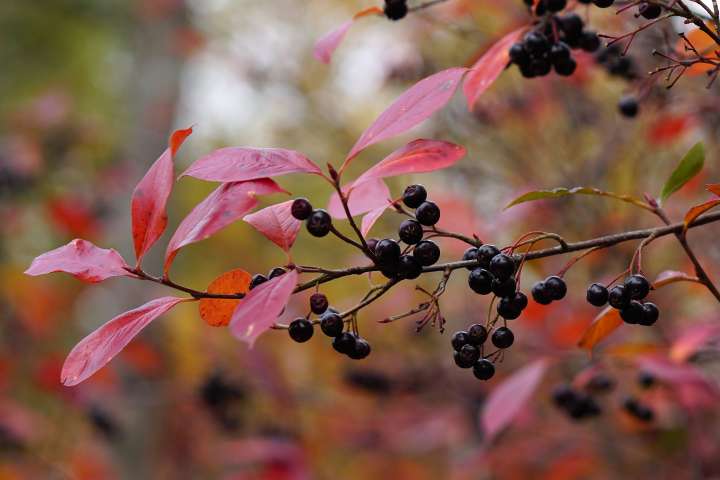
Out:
{"x": 344, "y": 343}
{"x": 502, "y": 266}
{"x": 589, "y": 41}
{"x": 276, "y": 272}
{"x": 301, "y": 330}
{"x": 571, "y": 24}
{"x": 505, "y": 288}
{"x": 485, "y": 254}
{"x": 414, "y": 196}
{"x": 410, "y": 232}
{"x": 518, "y": 54}
{"x": 483, "y": 369}
{"x": 597, "y": 295}
{"x": 507, "y": 310}
{"x": 646, "y": 379}
{"x": 519, "y": 301}
{"x": 387, "y": 252}
{"x": 428, "y": 213}
{"x": 556, "y": 287}
{"x": 541, "y": 294}
{"x": 319, "y": 223}
{"x": 477, "y": 334}
{"x": 536, "y": 43}
{"x": 603, "y": 3}
{"x": 318, "y": 303}
{"x": 637, "y": 287}
{"x": 650, "y": 11}
{"x": 409, "y": 267}
{"x": 460, "y": 339}
{"x": 471, "y": 254}
{"x": 257, "y": 279}
{"x": 360, "y": 350}
{"x": 565, "y": 67}
{"x": 559, "y": 51}
{"x": 331, "y": 324}
{"x": 628, "y": 106}
{"x": 480, "y": 281}
{"x": 555, "y": 5}
{"x": 650, "y": 314}
{"x": 632, "y": 313}
{"x": 395, "y": 9}
{"x": 301, "y": 208}
{"x": 426, "y": 252}
{"x": 618, "y": 297}
{"x": 503, "y": 337}
{"x": 564, "y": 396}
{"x": 466, "y": 356}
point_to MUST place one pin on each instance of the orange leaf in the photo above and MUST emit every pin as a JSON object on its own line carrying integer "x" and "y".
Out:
{"x": 603, "y": 325}
{"x": 703, "y": 44}
{"x": 671, "y": 276}
{"x": 218, "y": 312}
{"x": 698, "y": 210}
{"x": 714, "y": 188}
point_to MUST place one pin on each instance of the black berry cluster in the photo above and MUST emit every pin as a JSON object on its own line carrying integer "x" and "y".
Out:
{"x": 317, "y": 221}
{"x": 628, "y": 298}
{"x": 577, "y": 404}
{"x": 638, "y": 410}
{"x": 398, "y": 263}
{"x": 395, "y": 9}
{"x": 549, "y": 290}
{"x": 495, "y": 273}
{"x": 331, "y": 324}
{"x": 549, "y": 46}
{"x": 468, "y": 347}
{"x": 259, "y": 278}
{"x": 617, "y": 64}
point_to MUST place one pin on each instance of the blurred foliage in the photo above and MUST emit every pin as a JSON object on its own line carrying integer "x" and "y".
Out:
{"x": 89, "y": 92}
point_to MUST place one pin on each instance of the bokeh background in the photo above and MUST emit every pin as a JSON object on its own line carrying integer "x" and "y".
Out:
{"x": 89, "y": 92}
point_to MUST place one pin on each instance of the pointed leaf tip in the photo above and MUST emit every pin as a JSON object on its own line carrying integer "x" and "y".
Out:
{"x": 689, "y": 166}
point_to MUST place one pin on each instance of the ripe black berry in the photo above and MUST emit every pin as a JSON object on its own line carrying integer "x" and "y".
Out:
{"x": 632, "y": 313}
{"x": 559, "y": 51}
{"x": 571, "y": 24}
{"x": 301, "y": 330}
{"x": 556, "y": 287}
{"x": 628, "y": 106}
{"x": 637, "y": 287}
{"x": 646, "y": 379}
{"x": 503, "y": 337}
{"x": 485, "y": 254}
{"x": 301, "y": 208}
{"x": 480, "y": 281}
{"x": 618, "y": 297}
{"x": 650, "y": 11}
{"x": 344, "y": 343}
{"x": 276, "y": 272}
{"x": 257, "y": 279}
{"x": 331, "y": 324}
{"x": 410, "y": 232}
{"x": 603, "y": 3}
{"x": 426, "y": 252}
{"x": 589, "y": 41}
{"x": 395, "y": 9}
{"x": 541, "y": 294}
{"x": 414, "y": 196}
{"x": 518, "y": 54}
{"x": 555, "y": 5}
{"x": 319, "y": 223}
{"x": 536, "y": 43}
{"x": 483, "y": 369}
{"x": 360, "y": 350}
{"x": 460, "y": 339}
{"x": 506, "y": 309}
{"x": 428, "y": 213}
{"x": 387, "y": 252}
{"x": 565, "y": 67}
{"x": 600, "y": 383}
{"x": 470, "y": 254}
{"x": 477, "y": 334}
{"x": 650, "y": 314}
{"x": 540, "y": 66}
{"x": 409, "y": 267}
{"x": 372, "y": 243}
{"x": 597, "y": 295}
{"x": 466, "y": 356}
{"x": 638, "y": 410}
{"x": 583, "y": 406}
{"x": 318, "y": 303}
{"x": 564, "y": 396}
{"x": 519, "y": 301}
{"x": 502, "y": 266}
{"x": 504, "y": 288}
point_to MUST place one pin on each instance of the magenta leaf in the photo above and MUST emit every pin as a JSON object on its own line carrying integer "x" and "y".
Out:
{"x": 237, "y": 164}
{"x": 688, "y": 383}
{"x": 363, "y": 198}
{"x": 277, "y": 224}
{"x": 258, "y": 311}
{"x": 693, "y": 339}
{"x": 328, "y": 43}
{"x": 416, "y": 157}
{"x": 98, "y": 348}
{"x": 489, "y": 67}
{"x": 223, "y": 206}
{"x": 371, "y": 217}
{"x": 411, "y": 108}
{"x": 149, "y": 200}
{"x": 508, "y": 399}
{"x": 83, "y": 260}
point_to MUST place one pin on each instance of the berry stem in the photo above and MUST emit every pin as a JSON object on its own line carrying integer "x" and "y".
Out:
{"x": 349, "y": 216}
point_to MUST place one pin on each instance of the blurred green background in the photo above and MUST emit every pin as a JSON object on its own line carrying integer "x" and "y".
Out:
{"x": 90, "y": 91}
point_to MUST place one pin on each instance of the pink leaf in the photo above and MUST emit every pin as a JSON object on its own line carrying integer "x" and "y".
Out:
{"x": 98, "y": 348}
{"x": 277, "y": 224}
{"x": 416, "y": 157}
{"x": 489, "y": 67}
{"x": 237, "y": 164}
{"x": 690, "y": 385}
{"x": 363, "y": 198}
{"x": 371, "y": 217}
{"x": 223, "y": 206}
{"x": 508, "y": 398}
{"x": 327, "y": 44}
{"x": 692, "y": 340}
{"x": 411, "y": 108}
{"x": 83, "y": 260}
{"x": 149, "y": 200}
{"x": 259, "y": 310}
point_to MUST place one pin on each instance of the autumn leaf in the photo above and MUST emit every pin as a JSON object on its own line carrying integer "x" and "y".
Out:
{"x": 217, "y": 312}
{"x": 696, "y": 211}
{"x": 605, "y": 323}
{"x": 362, "y": 198}
{"x": 277, "y": 224}
{"x": 328, "y": 43}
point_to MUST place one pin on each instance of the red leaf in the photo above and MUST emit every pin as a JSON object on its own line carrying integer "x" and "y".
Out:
{"x": 714, "y": 188}
{"x": 688, "y": 383}
{"x": 489, "y": 67}
{"x": 326, "y": 45}
{"x": 237, "y": 164}
{"x": 83, "y": 260}
{"x": 412, "y": 107}
{"x": 223, "y": 206}
{"x": 693, "y": 339}
{"x": 259, "y": 310}
{"x": 417, "y": 156}
{"x": 363, "y": 198}
{"x": 98, "y": 348}
{"x": 372, "y": 216}
{"x": 149, "y": 200}
{"x": 277, "y": 224}
{"x": 605, "y": 323}
{"x": 509, "y": 398}
{"x": 698, "y": 210}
